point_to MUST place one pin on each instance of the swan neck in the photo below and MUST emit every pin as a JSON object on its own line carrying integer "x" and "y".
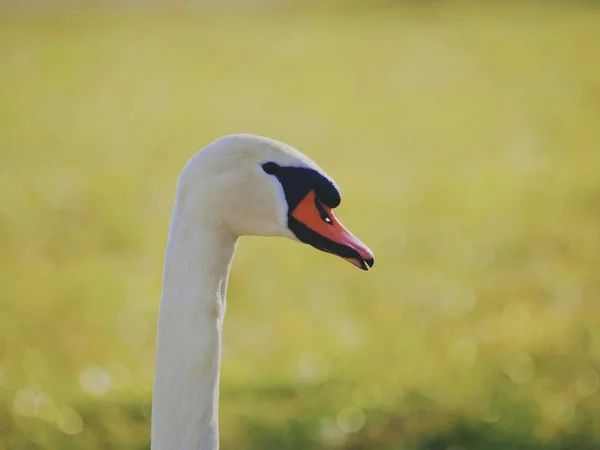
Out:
{"x": 188, "y": 359}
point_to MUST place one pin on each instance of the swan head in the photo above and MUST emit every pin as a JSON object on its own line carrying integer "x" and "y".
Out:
{"x": 252, "y": 185}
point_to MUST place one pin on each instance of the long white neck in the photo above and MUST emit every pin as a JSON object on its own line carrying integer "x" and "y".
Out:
{"x": 186, "y": 384}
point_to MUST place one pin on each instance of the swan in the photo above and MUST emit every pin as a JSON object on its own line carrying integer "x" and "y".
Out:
{"x": 238, "y": 185}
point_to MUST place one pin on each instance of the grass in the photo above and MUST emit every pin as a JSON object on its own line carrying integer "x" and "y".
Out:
{"x": 465, "y": 141}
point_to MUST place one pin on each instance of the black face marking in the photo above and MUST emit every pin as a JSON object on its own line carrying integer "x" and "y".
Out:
{"x": 270, "y": 168}
{"x": 297, "y": 182}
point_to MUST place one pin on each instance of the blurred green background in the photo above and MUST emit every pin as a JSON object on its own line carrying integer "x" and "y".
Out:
{"x": 465, "y": 138}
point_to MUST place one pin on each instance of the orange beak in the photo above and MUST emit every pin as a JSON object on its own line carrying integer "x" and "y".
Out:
{"x": 327, "y": 233}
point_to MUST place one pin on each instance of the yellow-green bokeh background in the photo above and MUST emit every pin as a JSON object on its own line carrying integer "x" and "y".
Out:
{"x": 465, "y": 139}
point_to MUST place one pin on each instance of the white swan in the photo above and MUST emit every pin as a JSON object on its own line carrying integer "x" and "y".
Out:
{"x": 238, "y": 185}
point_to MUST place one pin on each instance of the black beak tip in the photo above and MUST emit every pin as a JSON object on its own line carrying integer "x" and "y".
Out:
{"x": 366, "y": 264}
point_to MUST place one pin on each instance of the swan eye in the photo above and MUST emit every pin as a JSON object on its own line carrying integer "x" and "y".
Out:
{"x": 270, "y": 167}
{"x": 322, "y": 212}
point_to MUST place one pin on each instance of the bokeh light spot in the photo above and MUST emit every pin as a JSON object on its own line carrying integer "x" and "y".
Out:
{"x": 331, "y": 434}
{"x": 520, "y": 369}
{"x": 96, "y": 381}
{"x": 69, "y": 421}
{"x": 120, "y": 377}
{"x": 45, "y": 408}
{"x": 24, "y": 402}
{"x": 351, "y": 419}
{"x": 311, "y": 369}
